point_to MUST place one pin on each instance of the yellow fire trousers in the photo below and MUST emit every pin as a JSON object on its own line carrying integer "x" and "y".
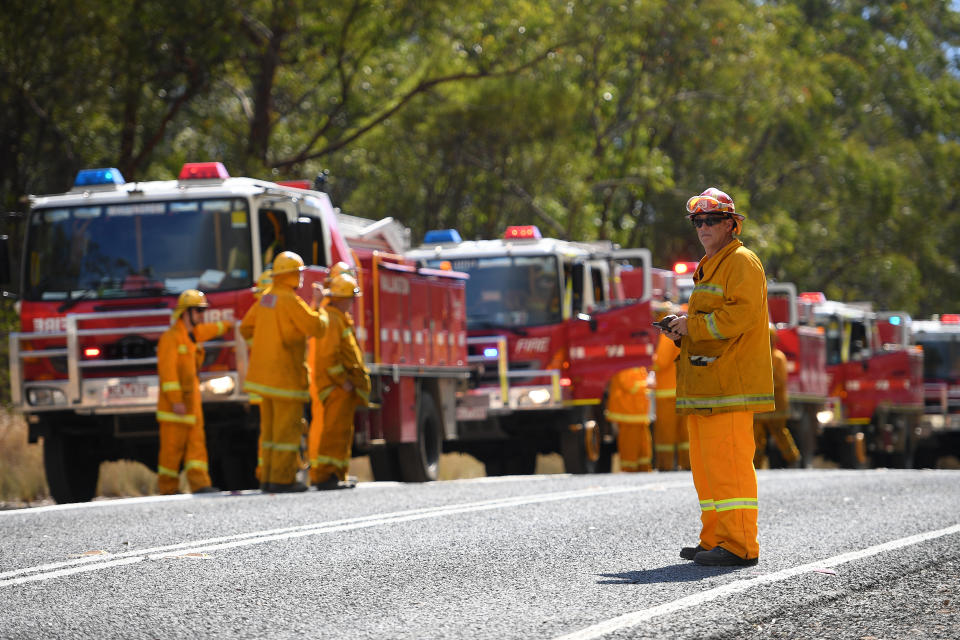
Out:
{"x": 776, "y": 427}
{"x": 634, "y": 445}
{"x": 333, "y": 436}
{"x": 185, "y": 443}
{"x": 721, "y": 458}
{"x": 281, "y": 428}
{"x": 670, "y": 436}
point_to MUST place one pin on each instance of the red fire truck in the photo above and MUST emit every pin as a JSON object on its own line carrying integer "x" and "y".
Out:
{"x": 103, "y": 265}
{"x": 939, "y": 337}
{"x": 549, "y": 323}
{"x": 880, "y": 387}
{"x": 804, "y": 345}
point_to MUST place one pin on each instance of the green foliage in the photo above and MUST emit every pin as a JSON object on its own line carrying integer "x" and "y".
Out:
{"x": 832, "y": 124}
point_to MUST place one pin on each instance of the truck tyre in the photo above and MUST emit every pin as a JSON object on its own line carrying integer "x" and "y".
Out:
{"x": 904, "y": 458}
{"x": 419, "y": 460}
{"x": 384, "y": 463}
{"x": 580, "y": 448}
{"x": 72, "y": 466}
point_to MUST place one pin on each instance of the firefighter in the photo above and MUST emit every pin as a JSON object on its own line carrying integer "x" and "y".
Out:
{"x": 724, "y": 376}
{"x": 179, "y": 407}
{"x": 774, "y": 424}
{"x": 669, "y": 430}
{"x": 629, "y": 407}
{"x": 280, "y": 323}
{"x": 316, "y": 405}
{"x": 342, "y": 384}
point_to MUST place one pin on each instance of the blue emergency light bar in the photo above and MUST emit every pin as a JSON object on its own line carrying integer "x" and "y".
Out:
{"x": 96, "y": 177}
{"x": 894, "y": 320}
{"x": 442, "y": 236}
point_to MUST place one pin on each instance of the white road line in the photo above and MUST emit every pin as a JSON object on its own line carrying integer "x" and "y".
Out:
{"x": 92, "y": 563}
{"x": 635, "y": 618}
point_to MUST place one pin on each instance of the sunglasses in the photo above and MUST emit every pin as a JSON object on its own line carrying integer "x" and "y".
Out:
{"x": 710, "y": 221}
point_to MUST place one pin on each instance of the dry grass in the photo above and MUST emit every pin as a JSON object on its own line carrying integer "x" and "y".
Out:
{"x": 22, "y": 480}
{"x": 127, "y": 478}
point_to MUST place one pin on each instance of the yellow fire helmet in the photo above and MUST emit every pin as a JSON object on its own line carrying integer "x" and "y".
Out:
{"x": 264, "y": 281}
{"x": 287, "y": 262}
{"x": 189, "y": 299}
{"x": 337, "y": 269}
{"x": 343, "y": 286}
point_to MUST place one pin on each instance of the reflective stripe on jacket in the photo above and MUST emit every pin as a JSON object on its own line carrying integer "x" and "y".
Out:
{"x": 338, "y": 359}
{"x": 724, "y": 362}
{"x": 280, "y": 323}
{"x": 179, "y": 357}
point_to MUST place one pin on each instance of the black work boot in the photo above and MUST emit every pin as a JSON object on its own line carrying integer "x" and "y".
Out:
{"x": 290, "y": 487}
{"x": 207, "y": 490}
{"x": 688, "y": 553}
{"x": 720, "y": 557}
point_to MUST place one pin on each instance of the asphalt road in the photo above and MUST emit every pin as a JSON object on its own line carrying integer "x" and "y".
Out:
{"x": 844, "y": 554}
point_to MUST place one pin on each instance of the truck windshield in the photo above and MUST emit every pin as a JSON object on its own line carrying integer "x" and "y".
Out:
{"x": 127, "y": 250}
{"x": 941, "y": 356}
{"x": 511, "y": 291}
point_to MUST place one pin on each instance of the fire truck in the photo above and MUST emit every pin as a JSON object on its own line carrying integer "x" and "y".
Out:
{"x": 549, "y": 323}
{"x": 804, "y": 345}
{"x": 879, "y": 386}
{"x": 102, "y": 268}
{"x": 939, "y": 337}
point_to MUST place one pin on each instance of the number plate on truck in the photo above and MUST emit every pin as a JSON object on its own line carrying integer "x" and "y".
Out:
{"x": 126, "y": 390}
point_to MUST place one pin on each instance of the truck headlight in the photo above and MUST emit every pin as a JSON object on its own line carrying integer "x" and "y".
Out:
{"x": 825, "y": 417}
{"x": 222, "y": 386}
{"x": 46, "y": 397}
{"x": 539, "y": 396}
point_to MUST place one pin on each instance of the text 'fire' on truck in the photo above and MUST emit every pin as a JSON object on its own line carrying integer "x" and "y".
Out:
{"x": 103, "y": 265}
{"x": 549, "y": 323}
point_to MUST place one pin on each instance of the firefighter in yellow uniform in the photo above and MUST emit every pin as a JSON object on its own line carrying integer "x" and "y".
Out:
{"x": 766, "y": 425}
{"x": 669, "y": 429}
{"x": 724, "y": 376}
{"x": 342, "y": 384}
{"x": 280, "y": 323}
{"x": 179, "y": 406}
{"x": 316, "y": 405}
{"x": 629, "y": 407}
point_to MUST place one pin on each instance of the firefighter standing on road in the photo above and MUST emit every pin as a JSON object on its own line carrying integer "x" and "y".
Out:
{"x": 724, "y": 376}
{"x": 629, "y": 407}
{"x": 280, "y": 323}
{"x": 179, "y": 406}
{"x": 342, "y": 384}
{"x": 669, "y": 430}
{"x": 774, "y": 424}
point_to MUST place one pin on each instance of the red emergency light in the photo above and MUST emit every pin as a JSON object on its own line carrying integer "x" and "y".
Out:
{"x": 91, "y": 352}
{"x": 203, "y": 171}
{"x": 523, "y": 232}
{"x": 950, "y": 318}
{"x": 296, "y": 184}
{"x": 684, "y": 268}
{"x": 815, "y": 297}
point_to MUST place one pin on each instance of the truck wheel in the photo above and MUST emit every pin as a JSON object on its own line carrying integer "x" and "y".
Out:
{"x": 384, "y": 463}
{"x": 72, "y": 467}
{"x": 903, "y": 459}
{"x": 419, "y": 460}
{"x": 580, "y": 447}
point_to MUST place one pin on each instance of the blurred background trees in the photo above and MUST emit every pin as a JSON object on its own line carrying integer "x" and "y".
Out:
{"x": 832, "y": 123}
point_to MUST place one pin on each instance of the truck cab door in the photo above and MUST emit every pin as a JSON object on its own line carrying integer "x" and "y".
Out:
{"x": 608, "y": 340}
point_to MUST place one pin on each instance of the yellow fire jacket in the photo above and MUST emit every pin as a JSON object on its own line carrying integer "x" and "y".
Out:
{"x": 178, "y": 358}
{"x": 627, "y": 400}
{"x": 724, "y": 362}
{"x": 337, "y": 358}
{"x": 781, "y": 401}
{"x": 665, "y": 366}
{"x": 280, "y": 323}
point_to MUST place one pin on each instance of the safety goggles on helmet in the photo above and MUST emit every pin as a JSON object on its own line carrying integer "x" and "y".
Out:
{"x": 708, "y": 204}
{"x": 710, "y": 221}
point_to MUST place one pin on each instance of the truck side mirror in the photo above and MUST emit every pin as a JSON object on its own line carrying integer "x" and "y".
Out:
{"x": 4, "y": 260}
{"x": 585, "y": 317}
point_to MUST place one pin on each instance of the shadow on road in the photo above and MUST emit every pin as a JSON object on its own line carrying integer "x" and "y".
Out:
{"x": 686, "y": 572}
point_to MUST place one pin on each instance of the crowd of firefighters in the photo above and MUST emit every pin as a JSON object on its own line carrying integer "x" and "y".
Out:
{"x": 280, "y": 329}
